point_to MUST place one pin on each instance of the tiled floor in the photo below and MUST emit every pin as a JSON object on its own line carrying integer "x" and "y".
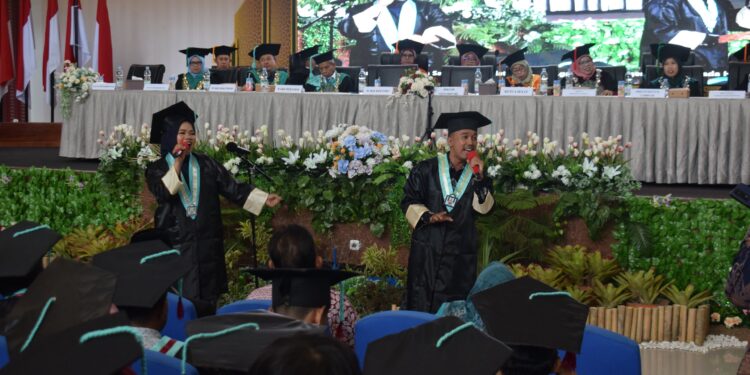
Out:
{"x": 680, "y": 362}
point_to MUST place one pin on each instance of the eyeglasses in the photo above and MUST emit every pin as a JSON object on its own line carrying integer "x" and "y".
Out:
{"x": 585, "y": 61}
{"x": 195, "y": 63}
{"x": 407, "y": 55}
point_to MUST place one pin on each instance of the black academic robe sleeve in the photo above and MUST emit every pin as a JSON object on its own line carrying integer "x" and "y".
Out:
{"x": 346, "y": 85}
{"x": 178, "y": 85}
{"x": 298, "y": 77}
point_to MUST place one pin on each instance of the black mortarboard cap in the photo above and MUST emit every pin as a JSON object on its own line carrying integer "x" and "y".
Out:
{"x": 468, "y": 47}
{"x": 323, "y": 57}
{"x": 145, "y": 271}
{"x": 464, "y": 350}
{"x": 456, "y": 121}
{"x": 405, "y": 44}
{"x": 238, "y": 350}
{"x": 72, "y": 293}
{"x": 525, "y": 311}
{"x": 173, "y": 115}
{"x": 22, "y": 246}
{"x": 515, "y": 57}
{"x": 265, "y": 49}
{"x": 307, "y": 52}
{"x": 743, "y": 54}
{"x": 223, "y": 50}
{"x": 63, "y": 353}
{"x": 663, "y": 51}
{"x": 577, "y": 52}
{"x": 196, "y": 51}
{"x": 302, "y": 287}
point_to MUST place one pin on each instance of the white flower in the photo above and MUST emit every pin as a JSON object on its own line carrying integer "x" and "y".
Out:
{"x": 589, "y": 168}
{"x": 563, "y": 174}
{"x": 292, "y": 158}
{"x": 610, "y": 172}
{"x": 408, "y": 165}
{"x": 533, "y": 173}
{"x": 494, "y": 170}
{"x": 405, "y": 138}
{"x": 314, "y": 159}
{"x": 514, "y": 153}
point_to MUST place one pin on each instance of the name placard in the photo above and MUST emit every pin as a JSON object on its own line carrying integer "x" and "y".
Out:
{"x": 103, "y": 86}
{"x": 734, "y": 94}
{"x": 449, "y": 91}
{"x": 378, "y": 90}
{"x": 579, "y": 92}
{"x": 290, "y": 89}
{"x": 516, "y": 91}
{"x": 648, "y": 93}
{"x": 223, "y": 87}
{"x": 155, "y": 87}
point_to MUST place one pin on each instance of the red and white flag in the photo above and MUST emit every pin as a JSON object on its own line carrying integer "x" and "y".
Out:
{"x": 103, "y": 43}
{"x": 25, "y": 57}
{"x": 51, "y": 56}
{"x": 76, "y": 41}
{"x": 6, "y": 49}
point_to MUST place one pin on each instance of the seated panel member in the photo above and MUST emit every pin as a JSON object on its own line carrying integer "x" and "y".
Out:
{"x": 329, "y": 80}
{"x": 265, "y": 55}
{"x": 300, "y": 72}
{"x": 583, "y": 72}
{"x": 223, "y": 71}
{"x": 471, "y": 54}
{"x": 409, "y": 50}
{"x": 671, "y": 58}
{"x": 196, "y": 65}
{"x": 521, "y": 75}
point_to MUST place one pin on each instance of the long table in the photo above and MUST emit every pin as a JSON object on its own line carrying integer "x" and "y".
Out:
{"x": 696, "y": 140}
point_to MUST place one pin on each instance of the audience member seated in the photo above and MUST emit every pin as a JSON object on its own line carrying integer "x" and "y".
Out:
{"x": 294, "y": 247}
{"x": 471, "y": 54}
{"x": 583, "y": 72}
{"x": 672, "y": 58}
{"x": 265, "y": 55}
{"x": 145, "y": 272}
{"x": 311, "y": 354}
{"x": 196, "y": 67}
{"x": 329, "y": 80}
{"x": 409, "y": 51}
{"x": 521, "y": 75}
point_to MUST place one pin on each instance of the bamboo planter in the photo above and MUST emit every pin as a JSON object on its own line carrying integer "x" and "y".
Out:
{"x": 654, "y": 323}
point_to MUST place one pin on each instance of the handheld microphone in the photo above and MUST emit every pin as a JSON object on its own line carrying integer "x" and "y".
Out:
{"x": 233, "y": 148}
{"x": 470, "y": 156}
{"x": 185, "y": 146}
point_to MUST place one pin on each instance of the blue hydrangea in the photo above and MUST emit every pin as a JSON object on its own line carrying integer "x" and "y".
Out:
{"x": 379, "y": 137}
{"x": 343, "y": 166}
{"x": 350, "y": 142}
{"x": 362, "y": 152}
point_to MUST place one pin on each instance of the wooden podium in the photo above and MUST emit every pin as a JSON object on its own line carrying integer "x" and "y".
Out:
{"x": 266, "y": 21}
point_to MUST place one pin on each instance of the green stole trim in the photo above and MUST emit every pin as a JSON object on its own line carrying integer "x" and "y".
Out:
{"x": 452, "y": 195}
{"x": 193, "y": 82}
{"x": 191, "y": 189}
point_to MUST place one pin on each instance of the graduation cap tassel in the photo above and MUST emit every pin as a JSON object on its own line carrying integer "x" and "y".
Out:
{"x": 38, "y": 322}
{"x": 117, "y": 330}
{"x": 452, "y": 332}
{"x": 209, "y": 335}
{"x": 254, "y": 57}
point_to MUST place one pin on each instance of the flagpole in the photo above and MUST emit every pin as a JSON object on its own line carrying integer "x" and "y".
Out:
{"x": 76, "y": 51}
{"x": 51, "y": 88}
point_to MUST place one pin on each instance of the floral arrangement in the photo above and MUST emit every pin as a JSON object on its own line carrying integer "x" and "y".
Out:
{"x": 74, "y": 85}
{"x": 124, "y": 156}
{"x": 415, "y": 83}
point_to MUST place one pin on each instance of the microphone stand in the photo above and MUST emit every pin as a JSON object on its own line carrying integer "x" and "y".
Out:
{"x": 428, "y": 129}
{"x": 253, "y": 168}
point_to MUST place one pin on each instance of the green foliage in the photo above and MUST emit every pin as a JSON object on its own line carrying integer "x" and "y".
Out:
{"x": 687, "y": 297}
{"x": 571, "y": 261}
{"x": 579, "y": 294}
{"x": 368, "y": 297}
{"x": 600, "y": 269}
{"x": 240, "y": 284}
{"x": 694, "y": 242}
{"x": 645, "y": 286}
{"x": 263, "y": 235}
{"x": 63, "y": 199}
{"x": 318, "y": 32}
{"x": 550, "y": 276}
{"x": 618, "y": 41}
{"x": 83, "y": 243}
{"x": 382, "y": 263}
{"x": 610, "y": 296}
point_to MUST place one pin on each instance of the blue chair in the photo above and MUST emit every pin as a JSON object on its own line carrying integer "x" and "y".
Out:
{"x": 4, "y": 359}
{"x": 162, "y": 364}
{"x": 375, "y": 326}
{"x": 606, "y": 352}
{"x": 244, "y": 306}
{"x": 175, "y": 327}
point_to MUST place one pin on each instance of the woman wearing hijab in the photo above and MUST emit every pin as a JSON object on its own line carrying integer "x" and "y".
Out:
{"x": 583, "y": 72}
{"x": 196, "y": 66}
{"x": 521, "y": 75}
{"x": 671, "y": 57}
{"x": 187, "y": 186}
{"x": 471, "y": 54}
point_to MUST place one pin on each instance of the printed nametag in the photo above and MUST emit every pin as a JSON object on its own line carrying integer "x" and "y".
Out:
{"x": 449, "y": 91}
{"x": 648, "y": 93}
{"x": 516, "y": 91}
{"x": 290, "y": 89}
{"x": 734, "y": 94}
{"x": 579, "y": 92}
{"x": 103, "y": 86}
{"x": 223, "y": 87}
{"x": 378, "y": 90}
{"x": 155, "y": 87}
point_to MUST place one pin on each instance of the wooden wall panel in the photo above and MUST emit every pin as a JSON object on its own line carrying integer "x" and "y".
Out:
{"x": 266, "y": 21}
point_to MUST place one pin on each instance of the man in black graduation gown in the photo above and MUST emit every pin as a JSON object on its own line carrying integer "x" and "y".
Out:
{"x": 299, "y": 69}
{"x": 441, "y": 197}
{"x": 329, "y": 80}
{"x": 223, "y": 72}
{"x": 187, "y": 186}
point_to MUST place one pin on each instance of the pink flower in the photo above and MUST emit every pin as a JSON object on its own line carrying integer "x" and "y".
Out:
{"x": 715, "y": 317}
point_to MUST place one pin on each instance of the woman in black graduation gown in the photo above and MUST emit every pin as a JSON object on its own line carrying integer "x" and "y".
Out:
{"x": 196, "y": 67}
{"x": 583, "y": 72}
{"x": 443, "y": 255}
{"x": 188, "y": 203}
{"x": 671, "y": 58}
